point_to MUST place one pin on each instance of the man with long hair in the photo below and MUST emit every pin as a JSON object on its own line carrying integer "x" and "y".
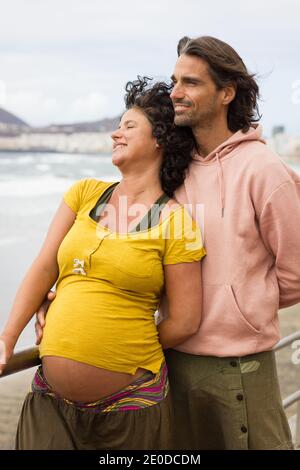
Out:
{"x": 224, "y": 380}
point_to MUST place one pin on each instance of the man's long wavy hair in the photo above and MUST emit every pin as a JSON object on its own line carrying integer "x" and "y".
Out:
{"x": 153, "y": 99}
{"x": 226, "y": 67}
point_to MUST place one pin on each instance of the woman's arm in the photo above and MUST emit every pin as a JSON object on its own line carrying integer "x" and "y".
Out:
{"x": 41, "y": 276}
{"x": 183, "y": 286}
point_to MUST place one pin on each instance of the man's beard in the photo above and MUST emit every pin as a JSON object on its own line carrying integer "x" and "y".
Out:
{"x": 200, "y": 119}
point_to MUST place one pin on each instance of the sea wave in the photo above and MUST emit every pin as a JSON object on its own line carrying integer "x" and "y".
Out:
{"x": 53, "y": 158}
{"x": 19, "y": 160}
{"x": 35, "y": 186}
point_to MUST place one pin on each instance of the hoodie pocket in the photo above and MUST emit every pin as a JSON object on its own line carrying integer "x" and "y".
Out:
{"x": 238, "y": 312}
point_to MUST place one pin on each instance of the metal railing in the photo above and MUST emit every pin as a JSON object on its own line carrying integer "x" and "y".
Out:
{"x": 22, "y": 360}
{"x": 28, "y": 358}
{"x": 295, "y": 397}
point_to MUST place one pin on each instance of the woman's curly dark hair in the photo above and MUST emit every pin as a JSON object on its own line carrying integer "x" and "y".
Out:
{"x": 153, "y": 99}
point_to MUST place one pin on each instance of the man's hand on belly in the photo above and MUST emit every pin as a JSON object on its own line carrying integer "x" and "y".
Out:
{"x": 41, "y": 316}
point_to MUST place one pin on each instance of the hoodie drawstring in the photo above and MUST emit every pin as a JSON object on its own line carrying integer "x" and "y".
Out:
{"x": 221, "y": 185}
{"x": 254, "y": 134}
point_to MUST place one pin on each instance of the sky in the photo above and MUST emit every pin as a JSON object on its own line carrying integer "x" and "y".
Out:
{"x": 64, "y": 61}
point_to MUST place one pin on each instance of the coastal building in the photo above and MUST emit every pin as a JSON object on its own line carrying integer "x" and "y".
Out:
{"x": 285, "y": 145}
{"x": 87, "y": 137}
{"x": 94, "y": 137}
{"x": 77, "y": 142}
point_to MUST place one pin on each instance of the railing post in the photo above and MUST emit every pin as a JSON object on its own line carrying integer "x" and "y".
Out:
{"x": 22, "y": 360}
{"x": 297, "y": 432}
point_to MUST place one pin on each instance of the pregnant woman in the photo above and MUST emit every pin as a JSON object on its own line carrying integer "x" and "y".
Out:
{"x": 112, "y": 249}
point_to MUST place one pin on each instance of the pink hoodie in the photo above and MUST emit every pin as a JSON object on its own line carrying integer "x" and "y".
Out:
{"x": 251, "y": 203}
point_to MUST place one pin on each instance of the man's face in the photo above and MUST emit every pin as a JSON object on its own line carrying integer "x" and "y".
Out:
{"x": 195, "y": 97}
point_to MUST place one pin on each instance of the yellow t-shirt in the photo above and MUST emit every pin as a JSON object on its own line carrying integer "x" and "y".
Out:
{"x": 109, "y": 286}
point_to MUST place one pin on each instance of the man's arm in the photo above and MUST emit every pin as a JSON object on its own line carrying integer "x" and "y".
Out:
{"x": 279, "y": 224}
{"x": 41, "y": 316}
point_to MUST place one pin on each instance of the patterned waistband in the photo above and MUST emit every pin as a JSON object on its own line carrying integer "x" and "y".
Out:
{"x": 147, "y": 390}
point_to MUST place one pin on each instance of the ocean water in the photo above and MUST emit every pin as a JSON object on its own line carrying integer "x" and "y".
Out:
{"x": 31, "y": 187}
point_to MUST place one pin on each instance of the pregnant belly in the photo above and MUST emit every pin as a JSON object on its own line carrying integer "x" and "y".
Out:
{"x": 77, "y": 381}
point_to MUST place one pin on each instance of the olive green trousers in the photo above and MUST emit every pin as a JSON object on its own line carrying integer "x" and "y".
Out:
{"x": 50, "y": 424}
{"x": 226, "y": 403}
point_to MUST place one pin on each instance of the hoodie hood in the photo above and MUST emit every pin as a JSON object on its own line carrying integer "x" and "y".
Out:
{"x": 253, "y": 134}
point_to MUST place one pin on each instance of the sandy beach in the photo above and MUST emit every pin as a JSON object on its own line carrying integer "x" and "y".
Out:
{"x": 14, "y": 388}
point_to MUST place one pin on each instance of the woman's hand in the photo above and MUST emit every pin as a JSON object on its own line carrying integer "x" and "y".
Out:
{"x": 41, "y": 316}
{"x": 7, "y": 345}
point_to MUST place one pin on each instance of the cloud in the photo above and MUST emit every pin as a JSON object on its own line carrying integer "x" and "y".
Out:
{"x": 2, "y": 94}
{"x": 65, "y": 59}
{"x": 32, "y": 104}
{"x": 57, "y": 22}
{"x": 89, "y": 107}
{"x": 38, "y": 108}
